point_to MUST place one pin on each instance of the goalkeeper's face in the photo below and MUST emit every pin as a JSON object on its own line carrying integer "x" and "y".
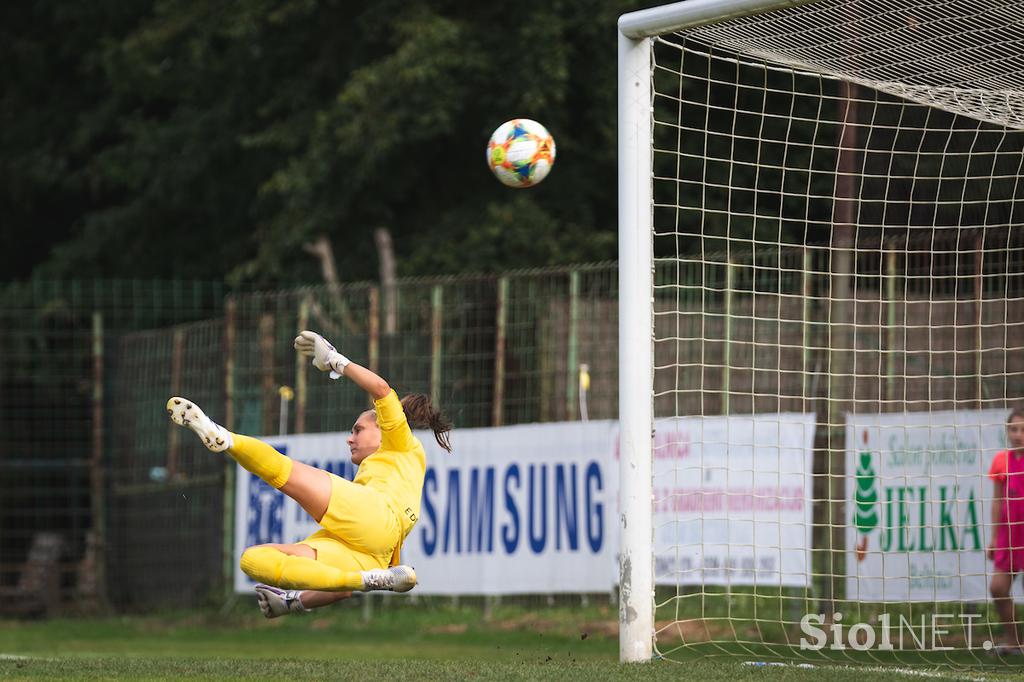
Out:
{"x": 365, "y": 437}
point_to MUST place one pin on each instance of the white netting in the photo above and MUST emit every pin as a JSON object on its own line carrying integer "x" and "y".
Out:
{"x": 964, "y": 56}
{"x": 839, "y": 326}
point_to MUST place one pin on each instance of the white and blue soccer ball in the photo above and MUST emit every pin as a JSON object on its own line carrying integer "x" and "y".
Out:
{"x": 521, "y": 152}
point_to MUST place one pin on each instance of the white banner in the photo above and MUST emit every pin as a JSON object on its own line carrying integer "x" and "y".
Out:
{"x": 918, "y": 504}
{"x": 733, "y": 500}
{"x": 514, "y": 510}
{"x": 518, "y": 510}
{"x": 533, "y": 508}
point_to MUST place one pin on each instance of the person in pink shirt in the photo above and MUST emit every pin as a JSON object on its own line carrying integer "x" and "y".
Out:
{"x": 1006, "y": 550}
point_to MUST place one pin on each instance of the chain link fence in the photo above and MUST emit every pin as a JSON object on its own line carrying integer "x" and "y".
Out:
{"x": 70, "y": 389}
{"x": 139, "y": 510}
{"x": 107, "y": 504}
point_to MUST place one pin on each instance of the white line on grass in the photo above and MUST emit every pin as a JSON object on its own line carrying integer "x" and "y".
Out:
{"x": 19, "y": 657}
{"x": 953, "y": 674}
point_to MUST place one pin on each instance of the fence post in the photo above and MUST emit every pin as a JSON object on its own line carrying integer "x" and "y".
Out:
{"x": 572, "y": 371}
{"x": 979, "y": 296}
{"x": 98, "y": 533}
{"x": 730, "y": 284}
{"x": 268, "y": 390}
{"x": 301, "y": 370}
{"x": 542, "y": 313}
{"x": 373, "y": 352}
{"x": 228, "y": 518}
{"x": 841, "y": 325}
{"x": 807, "y": 383}
{"x": 501, "y": 314}
{"x": 177, "y": 353}
{"x": 890, "y": 332}
{"x": 230, "y": 311}
{"x": 498, "y": 400}
{"x": 436, "y": 307}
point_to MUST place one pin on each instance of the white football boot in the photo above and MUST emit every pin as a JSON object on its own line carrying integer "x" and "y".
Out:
{"x": 184, "y": 412}
{"x": 394, "y": 579}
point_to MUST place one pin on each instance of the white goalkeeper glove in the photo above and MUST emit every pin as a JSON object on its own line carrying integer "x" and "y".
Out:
{"x": 325, "y": 357}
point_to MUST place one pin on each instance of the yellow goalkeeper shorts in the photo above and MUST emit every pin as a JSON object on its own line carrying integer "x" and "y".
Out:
{"x": 360, "y": 530}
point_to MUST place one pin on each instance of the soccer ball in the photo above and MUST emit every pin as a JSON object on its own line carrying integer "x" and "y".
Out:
{"x": 521, "y": 152}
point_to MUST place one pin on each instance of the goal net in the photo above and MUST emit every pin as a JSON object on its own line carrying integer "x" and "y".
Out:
{"x": 822, "y": 318}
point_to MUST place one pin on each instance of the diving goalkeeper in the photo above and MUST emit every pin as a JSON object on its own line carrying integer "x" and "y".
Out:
{"x": 362, "y": 522}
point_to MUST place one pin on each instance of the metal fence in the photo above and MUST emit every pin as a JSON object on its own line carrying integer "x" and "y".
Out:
{"x": 88, "y": 456}
{"x": 141, "y": 512}
{"x": 61, "y": 373}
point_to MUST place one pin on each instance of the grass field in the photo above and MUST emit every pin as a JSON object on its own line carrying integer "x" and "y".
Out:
{"x": 433, "y": 642}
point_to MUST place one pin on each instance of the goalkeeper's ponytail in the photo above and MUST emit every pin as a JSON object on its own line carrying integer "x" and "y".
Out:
{"x": 422, "y": 414}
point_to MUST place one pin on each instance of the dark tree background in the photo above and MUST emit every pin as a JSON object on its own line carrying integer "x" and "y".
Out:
{"x": 175, "y": 138}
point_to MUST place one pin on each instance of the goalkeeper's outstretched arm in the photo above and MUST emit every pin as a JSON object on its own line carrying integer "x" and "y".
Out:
{"x": 327, "y": 359}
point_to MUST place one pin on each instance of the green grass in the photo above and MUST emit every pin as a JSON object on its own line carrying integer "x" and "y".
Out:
{"x": 431, "y": 643}
{"x": 163, "y": 669}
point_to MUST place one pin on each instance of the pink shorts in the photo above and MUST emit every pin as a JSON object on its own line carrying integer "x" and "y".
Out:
{"x": 1006, "y": 560}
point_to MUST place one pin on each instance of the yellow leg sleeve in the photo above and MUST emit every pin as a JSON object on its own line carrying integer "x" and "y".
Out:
{"x": 261, "y": 459}
{"x": 274, "y": 567}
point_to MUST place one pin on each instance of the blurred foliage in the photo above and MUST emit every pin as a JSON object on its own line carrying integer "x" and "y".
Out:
{"x": 189, "y": 139}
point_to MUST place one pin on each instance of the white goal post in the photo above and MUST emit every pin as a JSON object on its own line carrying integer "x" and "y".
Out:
{"x": 821, "y": 227}
{"x": 636, "y": 354}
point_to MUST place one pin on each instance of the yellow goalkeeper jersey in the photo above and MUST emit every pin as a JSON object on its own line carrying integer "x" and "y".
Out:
{"x": 397, "y": 468}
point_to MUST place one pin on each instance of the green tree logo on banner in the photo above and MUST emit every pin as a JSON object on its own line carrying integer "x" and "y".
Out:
{"x": 865, "y": 516}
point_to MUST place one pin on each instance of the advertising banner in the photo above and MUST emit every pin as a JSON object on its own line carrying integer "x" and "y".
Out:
{"x": 519, "y": 509}
{"x": 516, "y": 509}
{"x": 732, "y": 500}
{"x": 533, "y": 508}
{"x": 918, "y": 503}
